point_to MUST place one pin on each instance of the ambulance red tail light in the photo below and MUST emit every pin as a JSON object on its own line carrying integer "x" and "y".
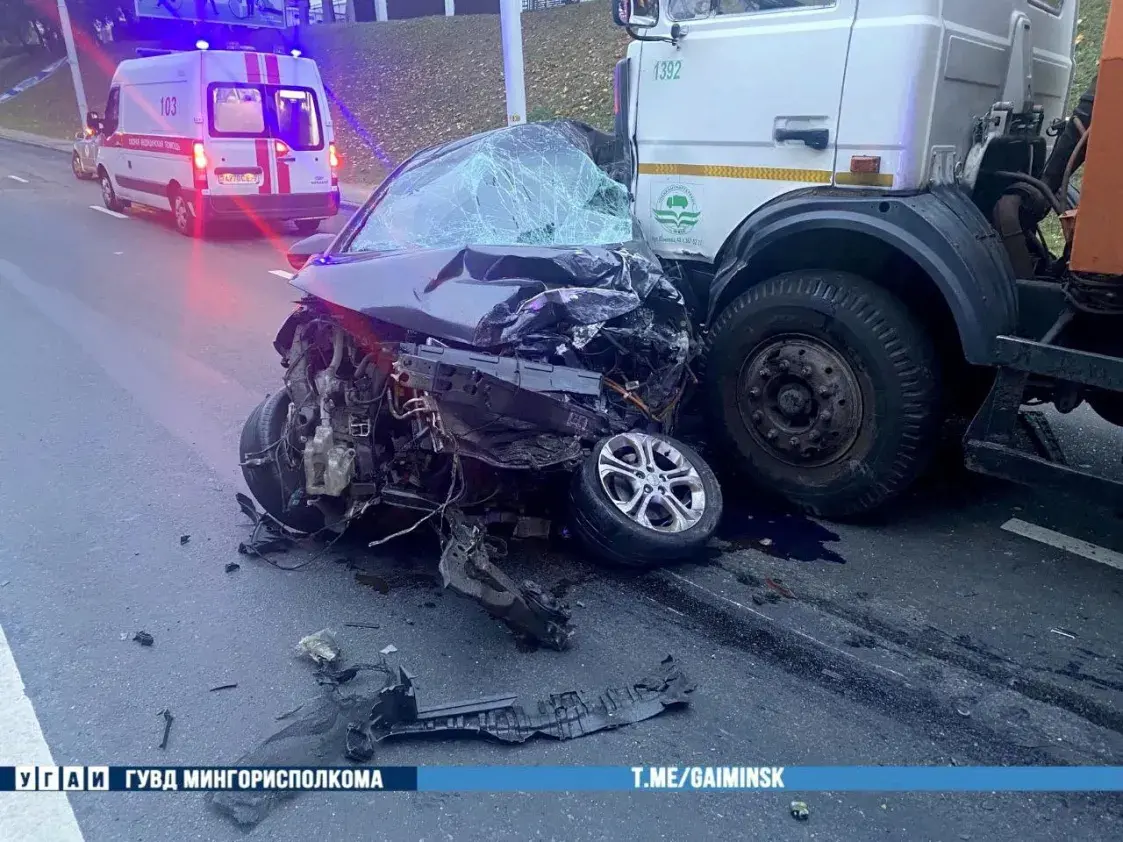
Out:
{"x": 281, "y": 148}
{"x": 199, "y": 160}
{"x": 334, "y": 161}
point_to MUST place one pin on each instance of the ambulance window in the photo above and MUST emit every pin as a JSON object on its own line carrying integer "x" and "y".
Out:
{"x": 237, "y": 110}
{"x": 112, "y": 111}
{"x": 298, "y": 120}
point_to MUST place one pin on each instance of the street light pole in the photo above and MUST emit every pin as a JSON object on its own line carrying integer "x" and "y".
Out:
{"x": 511, "y": 29}
{"x": 72, "y": 58}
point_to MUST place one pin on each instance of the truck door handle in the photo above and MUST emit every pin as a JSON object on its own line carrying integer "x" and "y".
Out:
{"x": 818, "y": 139}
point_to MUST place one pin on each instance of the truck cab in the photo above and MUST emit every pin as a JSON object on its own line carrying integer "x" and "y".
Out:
{"x": 827, "y": 175}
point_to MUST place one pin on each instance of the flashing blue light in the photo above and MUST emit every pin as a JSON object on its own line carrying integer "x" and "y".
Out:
{"x": 202, "y": 45}
{"x": 296, "y": 53}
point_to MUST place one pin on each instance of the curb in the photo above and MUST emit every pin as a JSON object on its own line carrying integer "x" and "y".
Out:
{"x": 352, "y": 196}
{"x": 846, "y": 658}
{"x": 28, "y": 139}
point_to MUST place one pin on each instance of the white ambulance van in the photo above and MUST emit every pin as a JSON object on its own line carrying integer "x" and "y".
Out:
{"x": 219, "y": 135}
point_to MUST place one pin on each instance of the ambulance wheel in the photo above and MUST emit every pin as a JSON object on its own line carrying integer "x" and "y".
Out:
{"x": 109, "y": 195}
{"x": 187, "y": 221}
{"x": 307, "y": 227}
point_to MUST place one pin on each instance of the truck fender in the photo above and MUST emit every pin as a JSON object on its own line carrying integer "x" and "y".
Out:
{"x": 940, "y": 230}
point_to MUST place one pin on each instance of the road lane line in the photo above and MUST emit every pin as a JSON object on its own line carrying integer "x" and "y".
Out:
{"x": 20, "y": 180}
{"x": 1060, "y": 541}
{"x": 107, "y": 211}
{"x": 281, "y": 273}
{"x": 24, "y": 815}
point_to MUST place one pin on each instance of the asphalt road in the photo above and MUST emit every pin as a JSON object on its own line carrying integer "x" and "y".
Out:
{"x": 131, "y": 357}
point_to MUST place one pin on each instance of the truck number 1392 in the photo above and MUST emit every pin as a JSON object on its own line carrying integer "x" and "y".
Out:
{"x": 666, "y": 71}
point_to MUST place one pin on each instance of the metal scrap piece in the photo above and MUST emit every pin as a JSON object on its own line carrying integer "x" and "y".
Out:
{"x": 561, "y": 716}
{"x": 466, "y": 568}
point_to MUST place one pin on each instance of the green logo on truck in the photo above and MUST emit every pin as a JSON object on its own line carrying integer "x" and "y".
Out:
{"x": 676, "y": 210}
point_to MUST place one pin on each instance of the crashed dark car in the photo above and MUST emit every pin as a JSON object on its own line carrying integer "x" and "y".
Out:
{"x": 488, "y": 327}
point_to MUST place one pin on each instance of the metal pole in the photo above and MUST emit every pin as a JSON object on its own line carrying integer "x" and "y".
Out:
{"x": 511, "y": 28}
{"x": 72, "y": 57}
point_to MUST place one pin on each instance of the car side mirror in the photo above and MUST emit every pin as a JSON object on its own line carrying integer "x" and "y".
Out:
{"x": 636, "y": 14}
{"x": 301, "y": 252}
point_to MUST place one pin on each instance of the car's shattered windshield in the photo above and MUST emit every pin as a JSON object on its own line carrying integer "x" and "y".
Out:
{"x": 536, "y": 184}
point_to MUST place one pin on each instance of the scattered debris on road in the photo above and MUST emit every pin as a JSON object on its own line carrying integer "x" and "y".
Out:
{"x": 144, "y": 638}
{"x": 277, "y": 538}
{"x": 561, "y": 716}
{"x": 351, "y": 722}
{"x": 466, "y": 568}
{"x": 1063, "y": 633}
{"x": 231, "y": 566}
{"x": 390, "y": 650}
{"x": 168, "y": 720}
{"x": 362, "y": 625}
{"x": 183, "y": 539}
{"x": 799, "y": 811}
{"x": 320, "y": 647}
{"x": 223, "y": 687}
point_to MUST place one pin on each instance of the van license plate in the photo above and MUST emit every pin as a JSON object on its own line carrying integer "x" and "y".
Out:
{"x": 239, "y": 178}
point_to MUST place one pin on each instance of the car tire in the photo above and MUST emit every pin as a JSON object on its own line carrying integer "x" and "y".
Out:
{"x": 187, "y": 221}
{"x": 307, "y": 227}
{"x": 824, "y": 389}
{"x": 274, "y": 481}
{"x": 109, "y": 195}
{"x": 662, "y": 532}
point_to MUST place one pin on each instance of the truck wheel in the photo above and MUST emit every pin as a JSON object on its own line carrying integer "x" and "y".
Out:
{"x": 643, "y": 499}
{"x": 281, "y": 473}
{"x": 307, "y": 227}
{"x": 825, "y": 389}
{"x": 109, "y": 195}
{"x": 187, "y": 221}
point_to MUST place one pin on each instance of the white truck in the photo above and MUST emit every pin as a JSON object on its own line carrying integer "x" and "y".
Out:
{"x": 828, "y": 175}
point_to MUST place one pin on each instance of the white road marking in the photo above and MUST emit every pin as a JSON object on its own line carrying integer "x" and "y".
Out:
{"x": 107, "y": 211}
{"x": 281, "y": 273}
{"x": 42, "y": 815}
{"x": 20, "y": 180}
{"x": 1060, "y": 541}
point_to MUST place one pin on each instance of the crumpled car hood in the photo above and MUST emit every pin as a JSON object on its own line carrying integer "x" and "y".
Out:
{"x": 488, "y": 296}
{"x": 518, "y": 236}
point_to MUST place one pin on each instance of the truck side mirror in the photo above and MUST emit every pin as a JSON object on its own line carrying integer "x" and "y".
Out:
{"x": 93, "y": 121}
{"x": 641, "y": 14}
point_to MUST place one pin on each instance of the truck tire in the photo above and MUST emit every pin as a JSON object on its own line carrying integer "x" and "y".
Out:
{"x": 663, "y": 530}
{"x": 273, "y": 482}
{"x": 825, "y": 390}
